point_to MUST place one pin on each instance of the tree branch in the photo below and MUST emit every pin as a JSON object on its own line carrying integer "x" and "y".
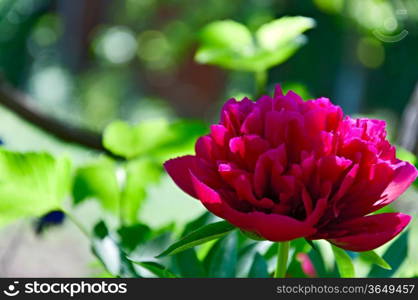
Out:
{"x": 18, "y": 102}
{"x": 408, "y": 135}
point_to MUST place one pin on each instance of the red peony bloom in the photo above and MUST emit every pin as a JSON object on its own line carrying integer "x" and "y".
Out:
{"x": 284, "y": 169}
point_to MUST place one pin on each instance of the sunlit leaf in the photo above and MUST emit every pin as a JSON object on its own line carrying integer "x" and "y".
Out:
{"x": 372, "y": 257}
{"x": 218, "y": 35}
{"x": 130, "y": 141}
{"x": 31, "y": 184}
{"x": 156, "y": 137}
{"x": 230, "y": 45}
{"x": 344, "y": 263}
{"x": 276, "y": 34}
{"x": 199, "y": 236}
{"x": 139, "y": 174}
{"x": 98, "y": 181}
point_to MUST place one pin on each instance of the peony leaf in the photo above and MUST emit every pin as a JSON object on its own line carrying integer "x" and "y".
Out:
{"x": 221, "y": 261}
{"x": 372, "y": 257}
{"x": 31, "y": 184}
{"x": 132, "y": 236}
{"x": 406, "y": 155}
{"x": 278, "y": 33}
{"x": 156, "y": 138}
{"x": 129, "y": 141}
{"x": 344, "y": 263}
{"x": 258, "y": 268}
{"x": 97, "y": 180}
{"x": 139, "y": 174}
{"x": 252, "y": 235}
{"x": 105, "y": 248}
{"x": 245, "y": 258}
{"x": 230, "y": 45}
{"x": 202, "y": 235}
{"x": 395, "y": 256}
{"x": 218, "y": 35}
{"x": 156, "y": 268}
{"x": 188, "y": 264}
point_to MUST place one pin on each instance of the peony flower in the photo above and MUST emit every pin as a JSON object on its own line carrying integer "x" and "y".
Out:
{"x": 284, "y": 169}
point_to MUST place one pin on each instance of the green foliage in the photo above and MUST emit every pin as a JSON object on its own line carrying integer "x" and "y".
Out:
{"x": 372, "y": 257}
{"x": 222, "y": 258}
{"x": 156, "y": 138}
{"x": 231, "y": 45}
{"x": 406, "y": 155}
{"x": 98, "y": 180}
{"x": 395, "y": 256}
{"x": 156, "y": 268}
{"x": 258, "y": 268}
{"x": 140, "y": 173}
{"x": 199, "y": 236}
{"x": 106, "y": 249}
{"x": 31, "y": 184}
{"x": 344, "y": 263}
{"x": 132, "y": 236}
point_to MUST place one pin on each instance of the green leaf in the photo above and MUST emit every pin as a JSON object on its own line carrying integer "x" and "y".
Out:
{"x": 344, "y": 263}
{"x": 31, "y": 184}
{"x": 278, "y": 33}
{"x": 406, "y": 155}
{"x": 258, "y": 268}
{"x": 132, "y": 236}
{"x": 181, "y": 140}
{"x": 199, "y": 236}
{"x": 395, "y": 255}
{"x": 188, "y": 264}
{"x": 156, "y": 244}
{"x": 140, "y": 173}
{"x": 372, "y": 257}
{"x": 105, "y": 248}
{"x": 129, "y": 141}
{"x": 202, "y": 220}
{"x": 221, "y": 260}
{"x": 230, "y": 45}
{"x": 98, "y": 181}
{"x": 156, "y": 138}
{"x": 245, "y": 258}
{"x": 218, "y": 35}
{"x": 156, "y": 268}
{"x": 252, "y": 235}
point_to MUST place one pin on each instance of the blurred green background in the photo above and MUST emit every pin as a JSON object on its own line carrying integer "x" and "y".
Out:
{"x": 88, "y": 63}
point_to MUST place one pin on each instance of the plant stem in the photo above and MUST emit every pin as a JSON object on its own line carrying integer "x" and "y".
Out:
{"x": 282, "y": 257}
{"x": 260, "y": 82}
{"x": 78, "y": 224}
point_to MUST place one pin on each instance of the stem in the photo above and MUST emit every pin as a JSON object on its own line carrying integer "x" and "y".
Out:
{"x": 260, "y": 82}
{"x": 85, "y": 232}
{"x": 78, "y": 224}
{"x": 282, "y": 257}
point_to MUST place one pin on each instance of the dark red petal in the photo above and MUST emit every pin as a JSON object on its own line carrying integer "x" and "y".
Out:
{"x": 370, "y": 232}
{"x": 405, "y": 175}
{"x": 272, "y": 227}
{"x": 179, "y": 170}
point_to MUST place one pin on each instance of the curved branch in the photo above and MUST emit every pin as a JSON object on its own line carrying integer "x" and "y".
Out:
{"x": 17, "y": 102}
